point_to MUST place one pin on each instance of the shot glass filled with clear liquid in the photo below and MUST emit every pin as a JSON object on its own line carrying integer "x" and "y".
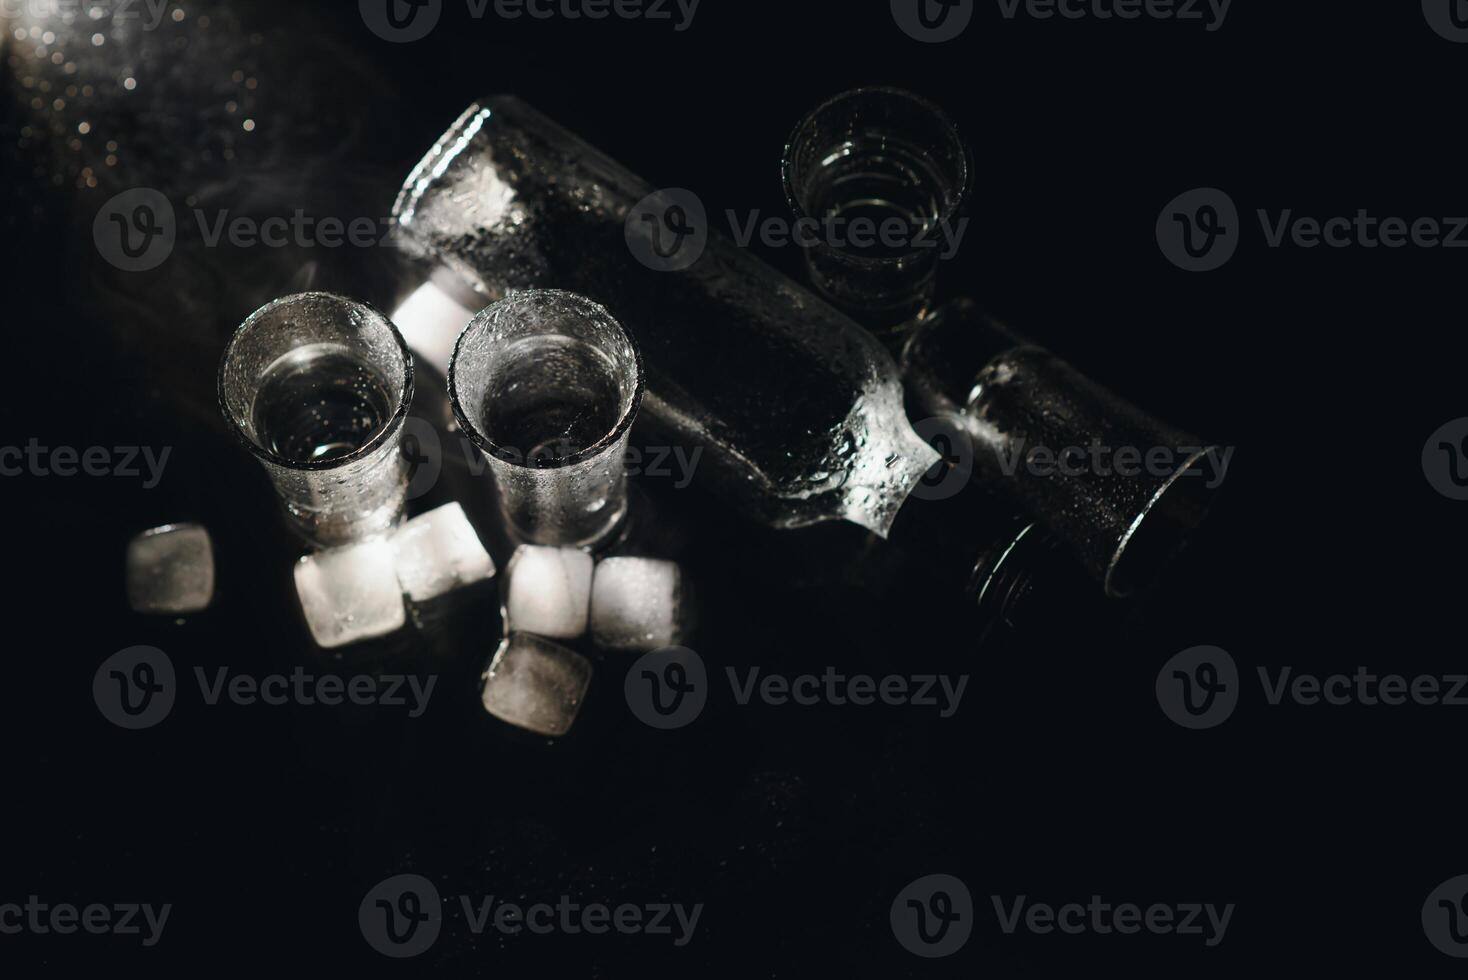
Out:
{"x": 883, "y": 174}
{"x": 317, "y": 387}
{"x": 547, "y": 384}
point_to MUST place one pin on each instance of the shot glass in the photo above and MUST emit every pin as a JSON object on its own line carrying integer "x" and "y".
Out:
{"x": 876, "y": 178}
{"x": 547, "y": 384}
{"x": 317, "y": 388}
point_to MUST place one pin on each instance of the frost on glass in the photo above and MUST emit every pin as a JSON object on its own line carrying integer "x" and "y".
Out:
{"x": 547, "y": 384}
{"x": 317, "y": 388}
{"x": 800, "y": 410}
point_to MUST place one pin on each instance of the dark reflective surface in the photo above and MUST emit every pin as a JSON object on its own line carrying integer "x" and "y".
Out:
{"x": 796, "y": 827}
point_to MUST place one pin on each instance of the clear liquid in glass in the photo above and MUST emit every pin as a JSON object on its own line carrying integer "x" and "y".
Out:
{"x": 319, "y": 403}
{"x": 550, "y": 397}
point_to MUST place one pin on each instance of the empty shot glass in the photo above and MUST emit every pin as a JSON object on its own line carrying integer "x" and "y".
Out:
{"x": 547, "y": 384}
{"x": 317, "y": 387}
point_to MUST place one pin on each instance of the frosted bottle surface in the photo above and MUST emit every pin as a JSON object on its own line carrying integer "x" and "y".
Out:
{"x": 800, "y": 411}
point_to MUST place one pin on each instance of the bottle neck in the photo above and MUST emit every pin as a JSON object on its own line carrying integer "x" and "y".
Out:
{"x": 971, "y": 545}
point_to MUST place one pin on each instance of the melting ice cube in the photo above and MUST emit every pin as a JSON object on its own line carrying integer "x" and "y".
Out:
{"x": 636, "y": 604}
{"x": 536, "y": 684}
{"x": 430, "y": 321}
{"x": 549, "y": 591}
{"x": 170, "y": 569}
{"x": 351, "y": 593}
{"x": 438, "y": 552}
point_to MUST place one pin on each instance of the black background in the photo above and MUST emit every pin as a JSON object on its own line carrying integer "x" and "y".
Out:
{"x": 1059, "y": 778}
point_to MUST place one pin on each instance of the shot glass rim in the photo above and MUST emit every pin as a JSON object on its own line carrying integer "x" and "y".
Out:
{"x": 624, "y": 423}
{"x": 384, "y": 432}
{"x": 787, "y": 161}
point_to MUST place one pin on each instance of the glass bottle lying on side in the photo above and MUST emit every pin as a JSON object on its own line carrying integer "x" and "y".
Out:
{"x": 800, "y": 410}
{"x": 896, "y": 161}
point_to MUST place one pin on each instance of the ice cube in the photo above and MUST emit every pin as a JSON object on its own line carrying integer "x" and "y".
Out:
{"x": 549, "y": 591}
{"x": 170, "y": 569}
{"x": 350, "y": 593}
{"x": 430, "y": 321}
{"x": 636, "y": 604}
{"x": 438, "y": 552}
{"x": 536, "y": 684}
